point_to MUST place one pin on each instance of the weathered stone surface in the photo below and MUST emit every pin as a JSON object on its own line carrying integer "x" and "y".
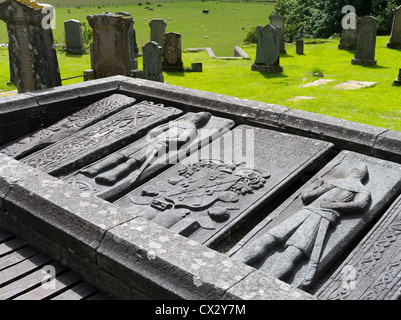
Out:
{"x": 278, "y": 21}
{"x": 308, "y": 232}
{"x": 133, "y": 46}
{"x": 388, "y": 146}
{"x": 354, "y": 85}
{"x": 157, "y": 30}
{"x": 67, "y": 126}
{"x": 395, "y": 37}
{"x": 34, "y": 58}
{"x": 240, "y": 53}
{"x": 73, "y": 36}
{"x": 216, "y": 188}
{"x": 316, "y": 83}
{"x": 100, "y": 139}
{"x": 299, "y": 46}
{"x": 152, "y": 62}
{"x": 172, "y": 57}
{"x": 366, "y": 42}
{"x": 165, "y": 145}
{"x": 349, "y": 36}
{"x": 371, "y": 271}
{"x": 397, "y": 82}
{"x": 111, "y": 54}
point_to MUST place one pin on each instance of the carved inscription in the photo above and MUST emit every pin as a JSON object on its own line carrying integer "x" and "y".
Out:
{"x": 67, "y": 126}
{"x": 100, "y": 139}
{"x": 165, "y": 145}
{"x": 307, "y": 233}
{"x": 216, "y": 188}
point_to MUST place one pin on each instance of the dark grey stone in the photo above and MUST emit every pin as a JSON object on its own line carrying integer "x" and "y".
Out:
{"x": 366, "y": 42}
{"x": 152, "y": 62}
{"x": 395, "y": 37}
{"x": 397, "y": 82}
{"x": 349, "y": 36}
{"x": 133, "y": 46}
{"x": 197, "y": 66}
{"x": 100, "y": 139}
{"x": 172, "y": 56}
{"x": 73, "y": 36}
{"x": 388, "y": 146}
{"x": 216, "y": 189}
{"x": 278, "y": 21}
{"x": 310, "y": 231}
{"x": 122, "y": 171}
{"x": 67, "y": 126}
{"x": 157, "y": 30}
{"x": 299, "y": 46}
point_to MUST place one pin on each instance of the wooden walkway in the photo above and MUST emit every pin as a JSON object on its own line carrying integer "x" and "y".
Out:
{"x": 23, "y": 275}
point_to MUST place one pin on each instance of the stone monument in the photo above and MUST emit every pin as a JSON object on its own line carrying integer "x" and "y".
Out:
{"x": 33, "y": 58}
{"x": 268, "y": 50}
{"x": 152, "y": 62}
{"x": 157, "y": 31}
{"x": 73, "y": 36}
{"x": 133, "y": 46}
{"x": 278, "y": 21}
{"x": 349, "y": 35}
{"x": 111, "y": 54}
{"x": 397, "y": 82}
{"x": 395, "y": 37}
{"x": 366, "y": 42}
{"x": 172, "y": 57}
{"x": 299, "y": 42}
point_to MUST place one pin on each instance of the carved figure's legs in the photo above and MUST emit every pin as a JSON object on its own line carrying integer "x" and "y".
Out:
{"x": 112, "y": 176}
{"x": 284, "y": 266}
{"x": 258, "y": 249}
{"x": 101, "y": 166}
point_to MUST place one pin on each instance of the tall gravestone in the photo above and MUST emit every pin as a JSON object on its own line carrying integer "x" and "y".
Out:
{"x": 33, "y": 57}
{"x": 157, "y": 31}
{"x": 397, "y": 82}
{"x": 73, "y": 36}
{"x": 366, "y": 42}
{"x": 152, "y": 62}
{"x": 172, "y": 57}
{"x": 111, "y": 54}
{"x": 349, "y": 34}
{"x": 133, "y": 46}
{"x": 278, "y": 21}
{"x": 395, "y": 38}
{"x": 268, "y": 50}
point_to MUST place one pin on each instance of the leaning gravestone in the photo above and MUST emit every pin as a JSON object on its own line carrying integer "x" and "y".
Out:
{"x": 111, "y": 54}
{"x": 67, "y": 126}
{"x": 122, "y": 171}
{"x": 372, "y": 271}
{"x": 152, "y": 62}
{"x": 268, "y": 50}
{"x": 349, "y": 34}
{"x": 216, "y": 188}
{"x": 73, "y": 36}
{"x": 157, "y": 30}
{"x": 366, "y": 42}
{"x": 34, "y": 59}
{"x": 395, "y": 37}
{"x": 310, "y": 231}
{"x": 278, "y": 21}
{"x": 100, "y": 139}
{"x": 172, "y": 57}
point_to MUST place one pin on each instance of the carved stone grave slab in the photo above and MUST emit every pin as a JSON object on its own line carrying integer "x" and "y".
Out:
{"x": 100, "y": 139}
{"x": 67, "y": 126}
{"x": 215, "y": 189}
{"x": 122, "y": 171}
{"x": 307, "y": 233}
{"x": 372, "y": 271}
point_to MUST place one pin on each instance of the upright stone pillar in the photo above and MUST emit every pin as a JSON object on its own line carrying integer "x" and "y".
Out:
{"x": 349, "y": 34}
{"x": 366, "y": 42}
{"x": 133, "y": 46}
{"x": 73, "y": 36}
{"x": 152, "y": 62}
{"x": 278, "y": 21}
{"x": 397, "y": 82}
{"x": 157, "y": 31}
{"x": 33, "y": 57}
{"x": 395, "y": 38}
{"x": 172, "y": 56}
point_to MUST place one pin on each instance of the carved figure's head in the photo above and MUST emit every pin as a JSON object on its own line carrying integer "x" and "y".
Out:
{"x": 200, "y": 119}
{"x": 360, "y": 172}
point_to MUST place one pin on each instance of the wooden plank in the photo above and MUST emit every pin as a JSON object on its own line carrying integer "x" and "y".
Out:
{"x": 11, "y": 245}
{"x": 23, "y": 268}
{"x": 60, "y": 283}
{"x": 78, "y": 292}
{"x": 16, "y": 257}
{"x": 22, "y": 285}
{"x": 5, "y": 235}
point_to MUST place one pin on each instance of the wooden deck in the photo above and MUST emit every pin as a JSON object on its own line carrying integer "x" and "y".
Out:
{"x": 23, "y": 275}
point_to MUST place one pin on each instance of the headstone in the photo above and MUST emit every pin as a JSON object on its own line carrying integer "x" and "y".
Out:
{"x": 157, "y": 31}
{"x": 372, "y": 271}
{"x": 133, "y": 46}
{"x": 304, "y": 236}
{"x": 99, "y": 140}
{"x": 217, "y": 188}
{"x": 348, "y": 38}
{"x": 111, "y": 55}
{"x": 395, "y": 37}
{"x": 122, "y": 171}
{"x": 67, "y": 126}
{"x": 366, "y": 42}
{"x": 197, "y": 66}
{"x": 172, "y": 56}
{"x": 299, "y": 46}
{"x": 268, "y": 50}
{"x": 397, "y": 82}
{"x": 34, "y": 59}
{"x": 278, "y": 21}
{"x": 73, "y": 36}
{"x": 152, "y": 62}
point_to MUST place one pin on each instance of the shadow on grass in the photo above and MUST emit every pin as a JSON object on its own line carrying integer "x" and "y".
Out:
{"x": 375, "y": 67}
{"x": 175, "y": 73}
{"x": 269, "y": 75}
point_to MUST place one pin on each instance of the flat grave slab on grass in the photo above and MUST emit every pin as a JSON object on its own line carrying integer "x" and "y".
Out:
{"x": 316, "y": 83}
{"x": 353, "y": 85}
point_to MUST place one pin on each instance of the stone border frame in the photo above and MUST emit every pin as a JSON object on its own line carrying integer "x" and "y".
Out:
{"x": 126, "y": 255}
